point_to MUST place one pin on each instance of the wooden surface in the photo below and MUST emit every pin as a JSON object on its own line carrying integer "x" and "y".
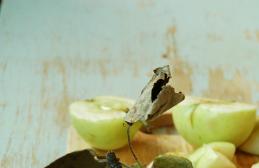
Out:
{"x": 148, "y": 146}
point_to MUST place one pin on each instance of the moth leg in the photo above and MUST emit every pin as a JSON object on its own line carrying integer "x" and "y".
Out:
{"x": 100, "y": 159}
{"x": 146, "y": 127}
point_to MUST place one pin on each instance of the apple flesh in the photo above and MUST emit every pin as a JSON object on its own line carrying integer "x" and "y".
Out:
{"x": 212, "y": 159}
{"x": 251, "y": 145}
{"x": 100, "y": 121}
{"x": 225, "y": 148}
{"x": 202, "y": 121}
{"x": 213, "y": 155}
{"x": 255, "y": 165}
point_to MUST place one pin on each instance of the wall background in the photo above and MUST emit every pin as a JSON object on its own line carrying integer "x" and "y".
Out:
{"x": 53, "y": 52}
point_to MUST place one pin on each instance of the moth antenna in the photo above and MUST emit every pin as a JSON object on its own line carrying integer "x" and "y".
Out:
{"x": 130, "y": 146}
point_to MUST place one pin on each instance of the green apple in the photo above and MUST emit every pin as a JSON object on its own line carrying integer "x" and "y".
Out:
{"x": 255, "y": 165}
{"x": 212, "y": 159}
{"x": 251, "y": 145}
{"x": 100, "y": 121}
{"x": 201, "y": 120}
{"x": 225, "y": 148}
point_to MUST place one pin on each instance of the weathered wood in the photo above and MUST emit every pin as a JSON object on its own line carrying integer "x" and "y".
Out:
{"x": 156, "y": 144}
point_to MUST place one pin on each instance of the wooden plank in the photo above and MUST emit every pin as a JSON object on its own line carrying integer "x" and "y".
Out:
{"x": 148, "y": 146}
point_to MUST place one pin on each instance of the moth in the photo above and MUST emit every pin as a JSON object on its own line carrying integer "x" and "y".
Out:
{"x": 111, "y": 160}
{"x": 157, "y": 96}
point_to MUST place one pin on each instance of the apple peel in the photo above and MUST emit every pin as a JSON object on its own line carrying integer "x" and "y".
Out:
{"x": 213, "y": 155}
{"x": 202, "y": 121}
{"x": 251, "y": 145}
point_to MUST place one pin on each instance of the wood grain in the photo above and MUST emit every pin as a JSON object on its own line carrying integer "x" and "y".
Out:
{"x": 148, "y": 146}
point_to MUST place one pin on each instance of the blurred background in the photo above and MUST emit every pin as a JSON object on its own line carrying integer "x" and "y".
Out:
{"x": 53, "y": 52}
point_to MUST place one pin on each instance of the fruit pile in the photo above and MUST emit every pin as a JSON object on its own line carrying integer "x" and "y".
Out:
{"x": 215, "y": 128}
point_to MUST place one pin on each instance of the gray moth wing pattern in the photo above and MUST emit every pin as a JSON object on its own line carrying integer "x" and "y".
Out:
{"x": 157, "y": 97}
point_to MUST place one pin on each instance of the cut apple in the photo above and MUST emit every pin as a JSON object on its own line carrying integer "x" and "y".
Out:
{"x": 251, "y": 145}
{"x": 202, "y": 121}
{"x": 255, "y": 165}
{"x": 224, "y": 148}
{"x": 212, "y": 159}
{"x": 100, "y": 121}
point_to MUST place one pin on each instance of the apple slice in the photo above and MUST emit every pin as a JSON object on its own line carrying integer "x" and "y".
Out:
{"x": 212, "y": 159}
{"x": 251, "y": 145}
{"x": 255, "y": 165}
{"x": 100, "y": 121}
{"x": 202, "y": 121}
{"x": 224, "y": 148}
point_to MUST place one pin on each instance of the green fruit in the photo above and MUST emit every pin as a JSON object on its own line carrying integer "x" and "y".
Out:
{"x": 225, "y": 148}
{"x": 212, "y": 159}
{"x": 213, "y": 155}
{"x": 251, "y": 145}
{"x": 171, "y": 161}
{"x": 100, "y": 121}
{"x": 255, "y": 165}
{"x": 202, "y": 121}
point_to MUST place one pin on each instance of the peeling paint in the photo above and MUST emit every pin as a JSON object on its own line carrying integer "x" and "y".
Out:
{"x": 2, "y": 104}
{"x": 248, "y": 35}
{"x": 257, "y": 35}
{"x": 182, "y": 73}
{"x": 34, "y": 159}
{"x": 252, "y": 35}
{"x": 257, "y": 87}
{"x": 102, "y": 64}
{"x": 5, "y": 162}
{"x": 142, "y": 4}
{"x": 182, "y": 70}
{"x": 171, "y": 50}
{"x": 238, "y": 88}
{"x": 3, "y": 66}
{"x": 213, "y": 37}
{"x": 49, "y": 101}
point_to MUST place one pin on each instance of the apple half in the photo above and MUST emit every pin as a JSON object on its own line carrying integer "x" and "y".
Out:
{"x": 251, "y": 145}
{"x": 100, "y": 121}
{"x": 202, "y": 121}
